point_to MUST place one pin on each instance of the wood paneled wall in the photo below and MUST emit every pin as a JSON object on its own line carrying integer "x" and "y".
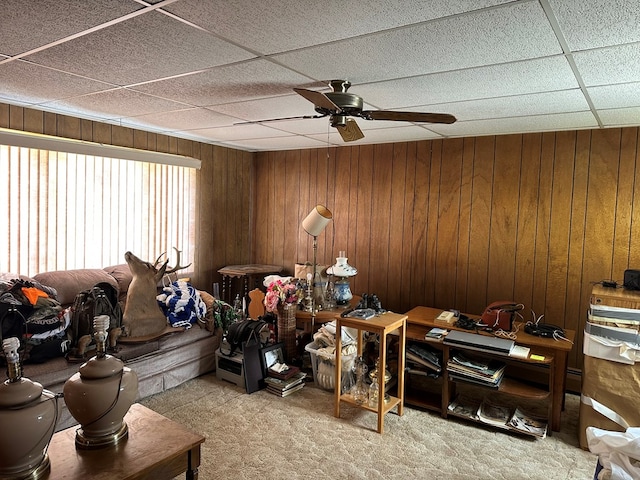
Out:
{"x": 225, "y": 182}
{"x": 460, "y": 223}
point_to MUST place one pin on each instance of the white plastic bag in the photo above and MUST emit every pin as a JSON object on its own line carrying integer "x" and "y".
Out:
{"x": 618, "y": 452}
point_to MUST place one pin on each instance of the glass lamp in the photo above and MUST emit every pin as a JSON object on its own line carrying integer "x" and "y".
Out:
{"x": 343, "y": 271}
{"x": 100, "y": 395}
{"x": 28, "y": 416}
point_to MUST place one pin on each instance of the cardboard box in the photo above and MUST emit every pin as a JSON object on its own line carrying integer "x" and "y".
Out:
{"x": 614, "y": 386}
{"x": 615, "y": 297}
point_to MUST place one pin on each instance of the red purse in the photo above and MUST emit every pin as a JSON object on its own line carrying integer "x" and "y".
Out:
{"x": 500, "y": 315}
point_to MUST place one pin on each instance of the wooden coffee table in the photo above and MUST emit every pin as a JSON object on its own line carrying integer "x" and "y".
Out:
{"x": 157, "y": 448}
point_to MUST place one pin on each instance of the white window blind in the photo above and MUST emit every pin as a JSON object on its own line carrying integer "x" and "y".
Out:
{"x": 63, "y": 211}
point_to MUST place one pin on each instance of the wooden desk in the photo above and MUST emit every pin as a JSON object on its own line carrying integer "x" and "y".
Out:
{"x": 382, "y": 325}
{"x": 246, "y": 272}
{"x": 422, "y": 319}
{"x": 157, "y": 449}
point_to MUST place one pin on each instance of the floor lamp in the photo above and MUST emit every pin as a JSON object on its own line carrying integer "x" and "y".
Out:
{"x": 314, "y": 224}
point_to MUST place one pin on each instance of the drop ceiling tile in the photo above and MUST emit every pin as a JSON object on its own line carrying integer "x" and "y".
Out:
{"x": 609, "y": 65}
{"x": 620, "y": 116}
{"x": 597, "y": 23}
{"x": 226, "y": 84}
{"x": 187, "y": 119}
{"x": 42, "y": 83}
{"x": 267, "y": 108}
{"x": 278, "y": 25}
{"x": 530, "y": 76}
{"x": 503, "y": 126}
{"x": 146, "y": 47}
{"x": 240, "y": 132}
{"x": 615, "y": 96}
{"x": 50, "y": 20}
{"x": 509, "y": 33}
{"x": 115, "y": 104}
{"x": 516, "y": 106}
{"x": 472, "y": 59}
{"x": 307, "y": 126}
{"x": 276, "y": 144}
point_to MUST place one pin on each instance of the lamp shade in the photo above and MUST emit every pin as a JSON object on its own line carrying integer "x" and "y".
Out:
{"x": 317, "y": 220}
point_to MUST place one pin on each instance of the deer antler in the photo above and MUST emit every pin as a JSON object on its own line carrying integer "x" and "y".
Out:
{"x": 177, "y": 267}
{"x": 155, "y": 264}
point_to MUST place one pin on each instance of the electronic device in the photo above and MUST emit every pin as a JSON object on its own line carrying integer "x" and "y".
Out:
{"x": 479, "y": 342}
{"x": 544, "y": 330}
{"x": 231, "y": 368}
{"x": 632, "y": 279}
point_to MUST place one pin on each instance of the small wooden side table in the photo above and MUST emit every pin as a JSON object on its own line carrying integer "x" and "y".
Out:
{"x": 157, "y": 449}
{"x": 246, "y": 272}
{"x": 303, "y": 318}
{"x": 382, "y": 325}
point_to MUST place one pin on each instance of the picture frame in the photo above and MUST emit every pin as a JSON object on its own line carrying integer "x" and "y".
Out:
{"x": 271, "y": 355}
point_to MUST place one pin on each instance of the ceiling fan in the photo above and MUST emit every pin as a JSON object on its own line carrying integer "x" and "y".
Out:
{"x": 339, "y": 105}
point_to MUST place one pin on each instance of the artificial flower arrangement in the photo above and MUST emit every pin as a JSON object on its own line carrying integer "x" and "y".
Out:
{"x": 281, "y": 292}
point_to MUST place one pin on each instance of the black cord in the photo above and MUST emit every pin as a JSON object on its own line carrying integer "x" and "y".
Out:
{"x": 466, "y": 323}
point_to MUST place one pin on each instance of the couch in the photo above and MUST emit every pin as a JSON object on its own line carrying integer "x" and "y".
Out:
{"x": 160, "y": 364}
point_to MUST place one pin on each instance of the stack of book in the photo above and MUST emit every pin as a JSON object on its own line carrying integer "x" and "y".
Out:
{"x": 421, "y": 359}
{"x": 487, "y": 373}
{"x": 285, "y": 383}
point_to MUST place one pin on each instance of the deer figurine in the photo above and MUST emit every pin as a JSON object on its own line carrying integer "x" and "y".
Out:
{"x": 143, "y": 319}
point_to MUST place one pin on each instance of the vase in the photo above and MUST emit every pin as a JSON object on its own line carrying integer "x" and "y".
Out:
{"x": 287, "y": 329}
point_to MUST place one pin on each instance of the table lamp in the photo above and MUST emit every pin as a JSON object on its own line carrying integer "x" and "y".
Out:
{"x": 343, "y": 271}
{"x": 100, "y": 394}
{"x": 314, "y": 224}
{"x": 28, "y": 415}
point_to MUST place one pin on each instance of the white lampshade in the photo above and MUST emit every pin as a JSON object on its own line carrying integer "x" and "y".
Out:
{"x": 317, "y": 220}
{"x": 342, "y": 268}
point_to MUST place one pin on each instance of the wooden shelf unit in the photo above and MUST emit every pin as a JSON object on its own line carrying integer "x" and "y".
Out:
{"x": 422, "y": 319}
{"x": 382, "y": 325}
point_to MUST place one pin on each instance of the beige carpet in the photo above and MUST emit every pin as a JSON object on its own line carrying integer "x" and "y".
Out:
{"x": 262, "y": 436}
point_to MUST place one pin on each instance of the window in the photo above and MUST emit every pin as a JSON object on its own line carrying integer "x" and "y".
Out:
{"x": 65, "y": 210}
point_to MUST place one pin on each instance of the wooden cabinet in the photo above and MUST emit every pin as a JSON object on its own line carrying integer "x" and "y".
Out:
{"x": 382, "y": 325}
{"x": 550, "y": 356}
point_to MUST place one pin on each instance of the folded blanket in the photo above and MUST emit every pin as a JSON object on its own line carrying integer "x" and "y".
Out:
{"x": 182, "y": 304}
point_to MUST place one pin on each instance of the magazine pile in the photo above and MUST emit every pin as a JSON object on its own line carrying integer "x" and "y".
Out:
{"x": 423, "y": 360}
{"x": 497, "y": 415}
{"x": 284, "y": 382}
{"x": 487, "y": 373}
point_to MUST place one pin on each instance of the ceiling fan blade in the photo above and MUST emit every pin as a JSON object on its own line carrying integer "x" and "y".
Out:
{"x": 319, "y": 99}
{"x": 301, "y": 117}
{"x": 408, "y": 116}
{"x": 350, "y": 131}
